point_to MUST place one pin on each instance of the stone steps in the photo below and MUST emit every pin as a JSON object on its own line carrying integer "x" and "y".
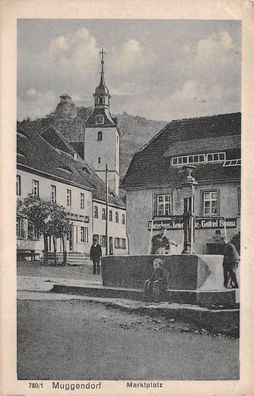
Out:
{"x": 76, "y": 258}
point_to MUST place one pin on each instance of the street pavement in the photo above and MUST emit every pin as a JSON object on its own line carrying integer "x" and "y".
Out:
{"x": 76, "y": 337}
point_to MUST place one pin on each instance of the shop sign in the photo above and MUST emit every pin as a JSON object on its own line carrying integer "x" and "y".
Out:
{"x": 176, "y": 223}
{"x": 78, "y": 217}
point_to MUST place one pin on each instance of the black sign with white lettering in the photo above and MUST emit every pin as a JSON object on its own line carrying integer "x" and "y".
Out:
{"x": 176, "y": 223}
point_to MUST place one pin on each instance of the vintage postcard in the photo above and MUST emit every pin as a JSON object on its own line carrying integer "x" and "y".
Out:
{"x": 126, "y": 242}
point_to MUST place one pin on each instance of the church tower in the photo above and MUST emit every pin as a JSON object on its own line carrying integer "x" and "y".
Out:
{"x": 101, "y": 146}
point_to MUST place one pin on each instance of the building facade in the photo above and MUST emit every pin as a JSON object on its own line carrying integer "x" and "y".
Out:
{"x": 47, "y": 167}
{"x": 154, "y": 184}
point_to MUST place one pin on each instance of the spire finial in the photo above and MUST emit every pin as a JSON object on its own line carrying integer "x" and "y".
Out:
{"x": 102, "y": 52}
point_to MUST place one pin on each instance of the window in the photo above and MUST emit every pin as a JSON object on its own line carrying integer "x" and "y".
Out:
{"x": 103, "y": 240}
{"x": 20, "y": 228}
{"x": 210, "y": 203}
{"x": 199, "y": 158}
{"x": 18, "y": 185}
{"x": 110, "y": 215}
{"x": 96, "y": 212}
{"x": 215, "y": 157}
{"x": 163, "y": 204}
{"x": 120, "y": 243}
{"x": 103, "y": 214}
{"x": 53, "y": 194}
{"x": 84, "y": 234}
{"x": 123, "y": 218}
{"x": 117, "y": 243}
{"x": 99, "y": 136}
{"x": 82, "y": 201}
{"x": 35, "y": 188}
{"x": 33, "y": 233}
{"x": 68, "y": 197}
{"x": 99, "y": 160}
{"x": 117, "y": 217}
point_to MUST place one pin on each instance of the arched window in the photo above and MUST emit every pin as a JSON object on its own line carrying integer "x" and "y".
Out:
{"x": 99, "y": 160}
{"x": 99, "y": 136}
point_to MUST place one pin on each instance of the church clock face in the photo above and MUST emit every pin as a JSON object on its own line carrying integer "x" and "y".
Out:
{"x": 99, "y": 119}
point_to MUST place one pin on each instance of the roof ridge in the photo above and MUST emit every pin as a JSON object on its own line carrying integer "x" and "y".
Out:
{"x": 179, "y": 121}
{"x": 153, "y": 138}
{"x": 59, "y": 134}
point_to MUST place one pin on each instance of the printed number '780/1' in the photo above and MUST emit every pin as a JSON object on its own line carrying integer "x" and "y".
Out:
{"x": 35, "y": 385}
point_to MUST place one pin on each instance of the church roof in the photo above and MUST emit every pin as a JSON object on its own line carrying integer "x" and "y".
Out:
{"x": 150, "y": 167}
{"x": 109, "y": 121}
{"x": 38, "y": 155}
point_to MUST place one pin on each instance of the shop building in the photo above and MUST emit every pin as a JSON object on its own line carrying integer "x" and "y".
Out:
{"x": 48, "y": 167}
{"x": 154, "y": 183}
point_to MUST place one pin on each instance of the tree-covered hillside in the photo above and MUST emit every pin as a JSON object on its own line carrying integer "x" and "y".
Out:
{"x": 135, "y": 132}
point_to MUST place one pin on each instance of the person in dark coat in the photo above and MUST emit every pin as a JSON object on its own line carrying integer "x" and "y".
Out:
{"x": 160, "y": 242}
{"x": 230, "y": 265}
{"x": 157, "y": 283}
{"x": 95, "y": 256}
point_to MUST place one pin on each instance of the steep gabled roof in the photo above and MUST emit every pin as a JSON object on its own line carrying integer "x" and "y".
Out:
{"x": 55, "y": 138}
{"x": 37, "y": 154}
{"x": 150, "y": 167}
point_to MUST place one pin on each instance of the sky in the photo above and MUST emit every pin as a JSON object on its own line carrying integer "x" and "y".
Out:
{"x": 158, "y": 69}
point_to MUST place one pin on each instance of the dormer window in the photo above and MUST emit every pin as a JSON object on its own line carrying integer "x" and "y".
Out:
{"x": 99, "y": 136}
{"x": 199, "y": 158}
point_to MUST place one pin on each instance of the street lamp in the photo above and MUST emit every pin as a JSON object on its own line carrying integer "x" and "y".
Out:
{"x": 188, "y": 193}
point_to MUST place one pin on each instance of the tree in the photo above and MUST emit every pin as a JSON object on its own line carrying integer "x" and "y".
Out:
{"x": 59, "y": 226}
{"x": 49, "y": 220}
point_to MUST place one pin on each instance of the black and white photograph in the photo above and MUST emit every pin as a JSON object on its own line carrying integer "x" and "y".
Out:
{"x": 128, "y": 199}
{"x": 126, "y": 255}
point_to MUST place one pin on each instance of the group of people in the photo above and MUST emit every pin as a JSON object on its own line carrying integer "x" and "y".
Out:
{"x": 158, "y": 281}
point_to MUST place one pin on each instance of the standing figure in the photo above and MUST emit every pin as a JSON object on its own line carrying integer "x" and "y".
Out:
{"x": 160, "y": 242}
{"x": 157, "y": 283}
{"x": 230, "y": 265}
{"x": 95, "y": 256}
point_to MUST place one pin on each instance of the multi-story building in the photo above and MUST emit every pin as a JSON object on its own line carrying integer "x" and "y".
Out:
{"x": 48, "y": 167}
{"x": 153, "y": 183}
